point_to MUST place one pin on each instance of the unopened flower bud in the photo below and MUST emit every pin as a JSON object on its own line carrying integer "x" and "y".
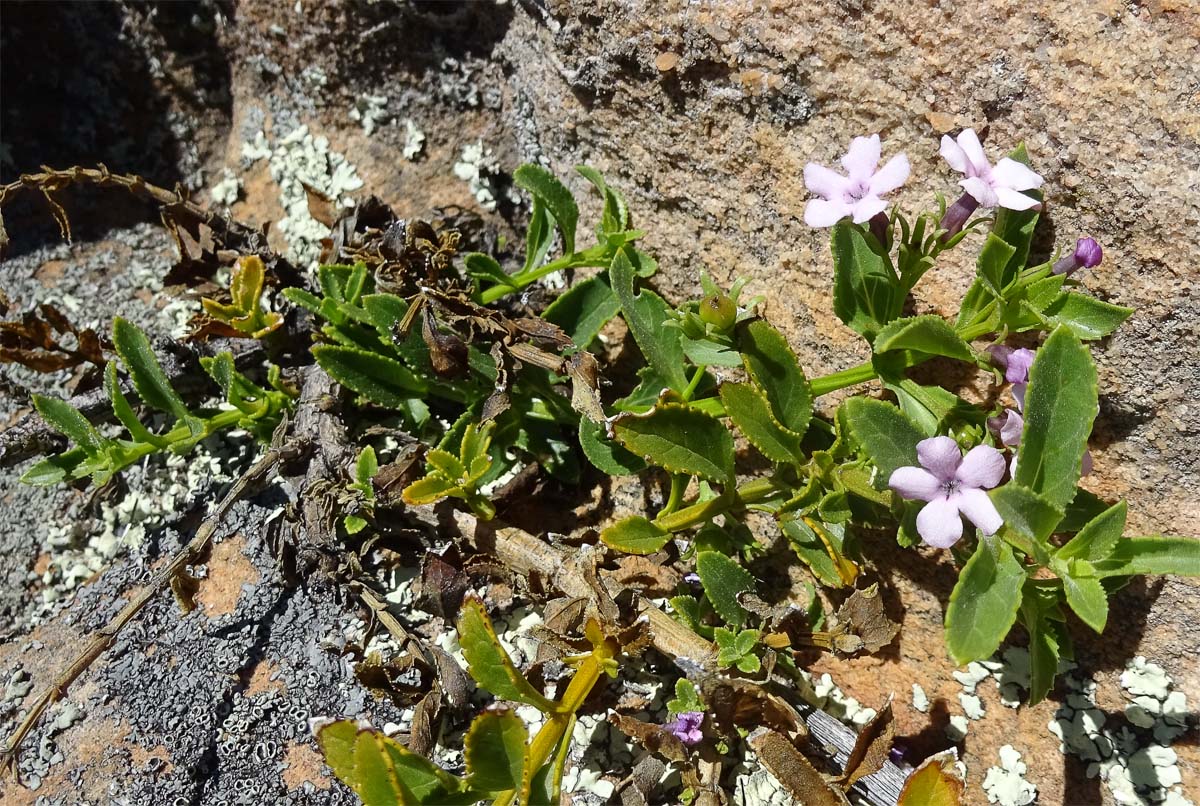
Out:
{"x": 1087, "y": 255}
{"x": 719, "y": 311}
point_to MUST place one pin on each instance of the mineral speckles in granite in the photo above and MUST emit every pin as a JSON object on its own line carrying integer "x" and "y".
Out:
{"x": 1134, "y": 760}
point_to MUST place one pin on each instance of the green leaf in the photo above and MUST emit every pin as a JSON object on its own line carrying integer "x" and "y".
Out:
{"x": 1060, "y": 405}
{"x": 751, "y": 413}
{"x": 430, "y": 489}
{"x": 496, "y": 751}
{"x": 635, "y": 535}
{"x": 723, "y": 579}
{"x": 306, "y": 300}
{"x": 820, "y": 552}
{"x": 686, "y": 698}
{"x": 1042, "y": 618}
{"x": 680, "y": 440}
{"x": 584, "y": 309}
{"x": 1086, "y": 317}
{"x": 554, "y": 194}
{"x": 376, "y": 377}
{"x": 124, "y": 411}
{"x": 489, "y": 664}
{"x": 539, "y": 237}
{"x": 973, "y": 303}
{"x": 73, "y": 464}
{"x": 382, "y": 771}
{"x": 1079, "y": 513}
{"x": 772, "y": 365}
{"x": 992, "y": 264}
{"x": 66, "y": 419}
{"x": 888, "y": 437}
{"x": 928, "y": 334}
{"x": 1026, "y": 512}
{"x": 1088, "y": 599}
{"x": 148, "y": 377}
{"x": 1177, "y": 556}
{"x": 647, "y": 313}
{"x": 687, "y": 610}
{"x": 607, "y": 455}
{"x": 866, "y": 292}
{"x": 486, "y": 267}
{"x": 615, "y": 216}
{"x": 929, "y": 407}
{"x": 365, "y": 467}
{"x": 1098, "y": 538}
{"x": 984, "y": 602}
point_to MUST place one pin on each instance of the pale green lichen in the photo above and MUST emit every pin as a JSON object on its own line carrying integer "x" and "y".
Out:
{"x": 1006, "y": 784}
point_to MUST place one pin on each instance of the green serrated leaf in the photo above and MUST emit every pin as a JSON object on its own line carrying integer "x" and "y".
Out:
{"x": 820, "y": 550}
{"x": 635, "y": 535}
{"x": 382, "y": 771}
{"x": 992, "y": 264}
{"x": 376, "y": 377}
{"x": 429, "y": 490}
{"x": 750, "y": 412}
{"x": 647, "y": 313}
{"x": 607, "y": 455}
{"x": 773, "y": 367}
{"x": 1026, "y": 512}
{"x": 866, "y": 292}
{"x": 723, "y": 579}
{"x": 148, "y": 377}
{"x": 366, "y": 466}
{"x": 554, "y": 195}
{"x": 124, "y": 411}
{"x": 928, "y": 334}
{"x": 1060, "y": 405}
{"x": 496, "y": 750}
{"x": 1177, "y": 556}
{"x": 1085, "y": 316}
{"x": 584, "y": 309}
{"x": 485, "y": 267}
{"x": 984, "y": 602}
{"x": 489, "y": 664}
{"x": 1043, "y": 621}
{"x": 615, "y": 216}
{"x": 67, "y": 420}
{"x": 1097, "y": 539}
{"x": 681, "y": 440}
{"x": 1084, "y": 507}
{"x": 1088, "y": 599}
{"x": 687, "y": 610}
{"x": 888, "y": 437}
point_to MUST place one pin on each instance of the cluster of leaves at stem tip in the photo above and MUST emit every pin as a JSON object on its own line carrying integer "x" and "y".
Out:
{"x": 490, "y": 387}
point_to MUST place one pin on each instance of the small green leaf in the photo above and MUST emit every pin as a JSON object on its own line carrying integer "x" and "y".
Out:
{"x": 144, "y": 370}
{"x": 1026, "y": 512}
{"x": 1177, "y": 556}
{"x": 773, "y": 367}
{"x": 66, "y": 419}
{"x": 382, "y": 771}
{"x": 376, "y": 377}
{"x": 489, "y": 664}
{"x": 124, "y": 411}
{"x": 635, "y": 535}
{"x": 485, "y": 267}
{"x": 554, "y": 194}
{"x": 496, "y": 750}
{"x": 927, "y": 334}
{"x": 1086, "y": 317}
{"x": 1087, "y": 598}
{"x": 615, "y": 216}
{"x": 1042, "y": 618}
{"x": 984, "y": 602}
{"x": 866, "y": 292}
{"x": 607, "y": 455}
{"x": 1084, "y": 507}
{"x": 751, "y": 413}
{"x": 993, "y": 263}
{"x": 687, "y": 610}
{"x": 584, "y": 309}
{"x": 429, "y": 490}
{"x": 888, "y": 437}
{"x": 929, "y": 407}
{"x": 686, "y": 698}
{"x": 647, "y": 313}
{"x": 1060, "y": 405}
{"x": 1098, "y": 538}
{"x": 1015, "y": 227}
{"x": 366, "y": 466}
{"x": 820, "y": 552}
{"x": 723, "y": 579}
{"x": 681, "y": 440}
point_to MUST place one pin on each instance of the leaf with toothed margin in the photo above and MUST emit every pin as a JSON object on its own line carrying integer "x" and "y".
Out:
{"x": 489, "y": 664}
{"x": 984, "y": 602}
{"x": 680, "y": 439}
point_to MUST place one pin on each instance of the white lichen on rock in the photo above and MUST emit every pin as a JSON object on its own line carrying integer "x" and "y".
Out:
{"x": 1006, "y": 784}
{"x": 414, "y": 141}
{"x": 920, "y": 700}
{"x": 956, "y": 728}
{"x": 477, "y": 167}
{"x": 226, "y": 192}
{"x": 972, "y": 706}
{"x": 370, "y": 111}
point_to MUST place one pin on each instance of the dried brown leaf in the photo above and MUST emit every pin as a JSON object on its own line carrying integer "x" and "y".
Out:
{"x": 862, "y": 618}
{"x": 649, "y": 577}
{"x": 792, "y": 769}
{"x": 654, "y": 738}
{"x": 871, "y": 748}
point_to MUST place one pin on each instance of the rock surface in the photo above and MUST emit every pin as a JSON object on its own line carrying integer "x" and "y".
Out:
{"x": 704, "y": 114}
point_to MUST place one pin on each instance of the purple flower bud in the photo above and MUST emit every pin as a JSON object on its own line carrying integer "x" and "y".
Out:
{"x": 956, "y": 216}
{"x": 1087, "y": 254}
{"x": 686, "y": 727}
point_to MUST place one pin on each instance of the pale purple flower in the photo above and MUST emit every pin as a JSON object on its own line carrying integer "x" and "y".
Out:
{"x": 1087, "y": 255}
{"x": 858, "y": 194}
{"x": 953, "y": 485}
{"x": 991, "y": 186}
{"x": 1009, "y": 428}
{"x": 1016, "y": 364}
{"x": 686, "y": 727}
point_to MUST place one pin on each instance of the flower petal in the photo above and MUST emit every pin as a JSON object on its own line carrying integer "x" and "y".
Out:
{"x": 825, "y": 182}
{"x": 892, "y": 175}
{"x": 1088, "y": 463}
{"x": 867, "y": 208}
{"x": 954, "y": 155}
{"x": 980, "y": 191}
{"x": 968, "y": 141}
{"x": 938, "y": 523}
{"x": 1010, "y": 429}
{"x": 1018, "y": 393}
{"x": 940, "y": 456}
{"x": 979, "y": 509}
{"x": 823, "y": 213}
{"x": 916, "y": 483}
{"x": 1012, "y": 174}
{"x": 1000, "y": 354}
{"x": 861, "y": 158}
{"x": 1016, "y": 368}
{"x": 982, "y": 467}
{"x": 1013, "y": 200}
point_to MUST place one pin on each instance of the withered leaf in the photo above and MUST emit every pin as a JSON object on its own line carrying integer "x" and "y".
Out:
{"x": 404, "y": 678}
{"x": 654, "y": 738}
{"x": 871, "y": 748}
{"x": 743, "y": 703}
{"x": 447, "y": 352}
{"x": 443, "y": 583}
{"x": 645, "y": 574}
{"x": 498, "y": 401}
{"x": 320, "y": 206}
{"x": 585, "y": 385}
{"x": 862, "y": 618}
{"x": 792, "y": 769}
{"x": 423, "y": 733}
{"x": 937, "y": 782}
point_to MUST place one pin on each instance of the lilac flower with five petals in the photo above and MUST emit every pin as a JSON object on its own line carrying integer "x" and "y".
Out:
{"x": 953, "y": 485}
{"x": 858, "y": 194}
{"x": 686, "y": 727}
{"x": 1016, "y": 364}
{"x": 991, "y": 186}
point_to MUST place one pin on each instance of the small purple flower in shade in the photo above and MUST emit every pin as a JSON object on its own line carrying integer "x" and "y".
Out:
{"x": 1016, "y": 364}
{"x": 991, "y": 186}
{"x": 1009, "y": 427}
{"x": 858, "y": 194}
{"x": 1087, "y": 255}
{"x": 686, "y": 727}
{"x": 952, "y": 485}
{"x": 691, "y": 578}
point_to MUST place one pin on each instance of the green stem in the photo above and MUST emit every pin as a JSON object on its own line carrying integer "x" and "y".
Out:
{"x": 575, "y": 260}
{"x": 679, "y": 483}
{"x": 691, "y": 387}
{"x": 749, "y": 493}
